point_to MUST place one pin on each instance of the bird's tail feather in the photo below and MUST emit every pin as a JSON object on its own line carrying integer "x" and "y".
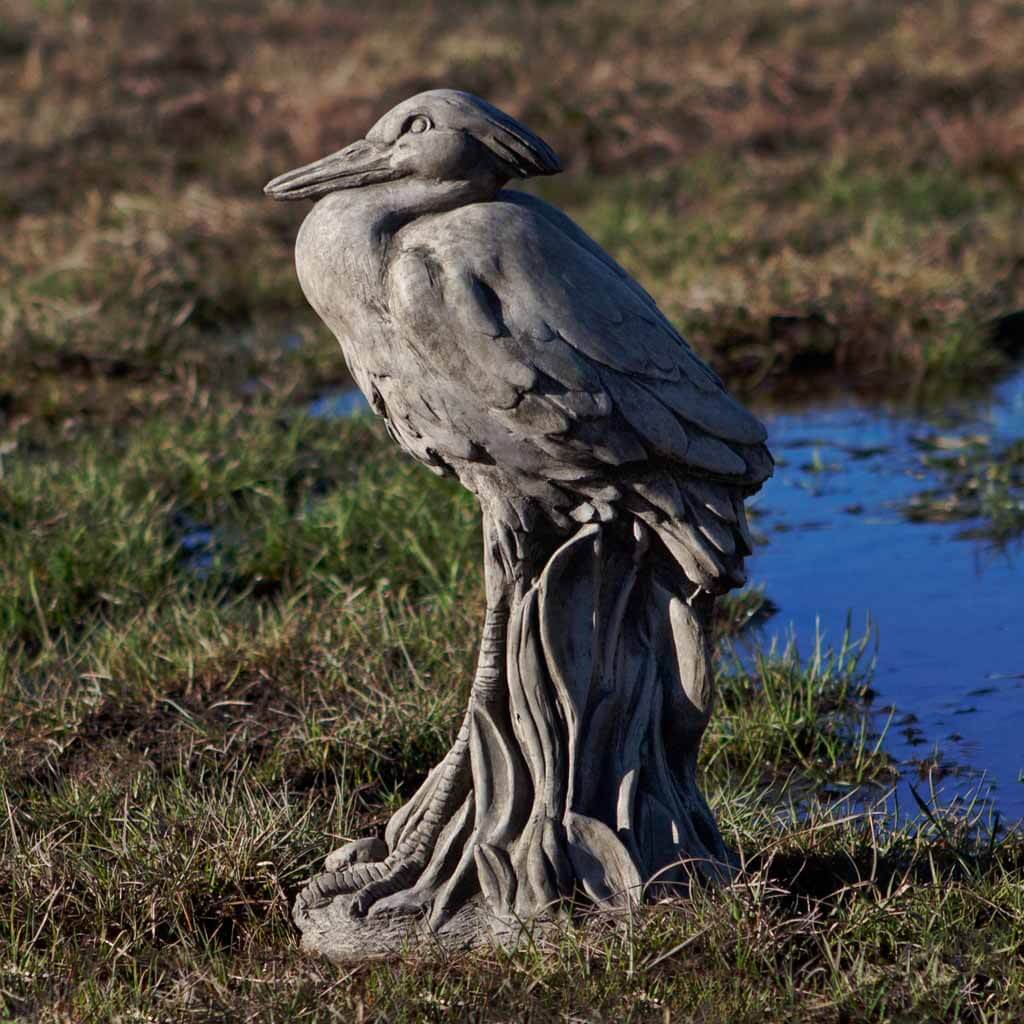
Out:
{"x": 702, "y": 524}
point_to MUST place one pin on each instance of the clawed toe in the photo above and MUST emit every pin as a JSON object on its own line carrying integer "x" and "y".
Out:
{"x": 408, "y": 903}
{"x": 315, "y": 895}
{"x": 362, "y": 851}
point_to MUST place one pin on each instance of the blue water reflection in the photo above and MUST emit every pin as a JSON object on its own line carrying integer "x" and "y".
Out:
{"x": 948, "y": 612}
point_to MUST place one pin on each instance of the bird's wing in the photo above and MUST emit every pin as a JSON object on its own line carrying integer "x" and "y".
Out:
{"x": 537, "y": 353}
{"x": 567, "y": 226}
{"x": 537, "y": 338}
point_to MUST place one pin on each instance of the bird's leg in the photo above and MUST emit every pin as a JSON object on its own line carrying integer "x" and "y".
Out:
{"x": 399, "y": 870}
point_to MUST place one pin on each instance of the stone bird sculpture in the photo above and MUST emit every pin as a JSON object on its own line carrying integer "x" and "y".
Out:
{"x": 503, "y": 346}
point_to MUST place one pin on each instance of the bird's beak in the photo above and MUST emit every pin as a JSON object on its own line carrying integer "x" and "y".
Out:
{"x": 362, "y": 163}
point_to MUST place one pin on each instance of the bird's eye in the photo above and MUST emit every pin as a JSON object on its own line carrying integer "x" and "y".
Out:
{"x": 420, "y": 124}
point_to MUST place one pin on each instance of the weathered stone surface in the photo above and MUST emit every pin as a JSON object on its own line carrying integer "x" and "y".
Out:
{"x": 502, "y": 345}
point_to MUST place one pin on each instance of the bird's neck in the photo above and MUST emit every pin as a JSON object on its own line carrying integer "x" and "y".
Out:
{"x": 396, "y": 203}
{"x": 358, "y": 225}
{"x": 343, "y": 248}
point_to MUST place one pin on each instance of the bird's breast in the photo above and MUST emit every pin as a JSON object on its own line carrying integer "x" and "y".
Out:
{"x": 340, "y": 269}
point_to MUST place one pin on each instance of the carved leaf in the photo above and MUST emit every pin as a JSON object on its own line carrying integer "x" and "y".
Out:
{"x": 567, "y": 593}
{"x": 694, "y": 673}
{"x": 501, "y": 782}
{"x": 601, "y": 862}
{"x": 659, "y": 835}
{"x": 553, "y": 843}
{"x": 497, "y": 881}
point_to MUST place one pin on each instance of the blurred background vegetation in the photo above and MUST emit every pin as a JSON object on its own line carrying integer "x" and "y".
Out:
{"x": 805, "y": 186}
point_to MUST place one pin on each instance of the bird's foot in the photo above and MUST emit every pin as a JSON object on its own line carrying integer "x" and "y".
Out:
{"x": 346, "y": 869}
{"x": 405, "y": 903}
{"x": 364, "y": 883}
{"x": 393, "y": 881}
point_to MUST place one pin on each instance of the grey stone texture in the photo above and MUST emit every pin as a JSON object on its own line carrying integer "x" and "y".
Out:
{"x": 505, "y": 347}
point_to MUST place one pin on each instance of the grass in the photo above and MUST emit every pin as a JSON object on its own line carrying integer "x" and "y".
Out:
{"x": 182, "y": 747}
{"x": 232, "y": 634}
{"x": 981, "y": 484}
{"x": 742, "y": 608}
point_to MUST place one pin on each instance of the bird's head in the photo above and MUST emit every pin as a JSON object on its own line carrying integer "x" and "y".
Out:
{"x": 438, "y": 136}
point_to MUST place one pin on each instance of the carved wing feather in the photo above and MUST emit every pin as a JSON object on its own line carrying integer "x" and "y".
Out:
{"x": 531, "y": 322}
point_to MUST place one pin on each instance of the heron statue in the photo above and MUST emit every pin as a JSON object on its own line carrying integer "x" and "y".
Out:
{"x": 503, "y": 346}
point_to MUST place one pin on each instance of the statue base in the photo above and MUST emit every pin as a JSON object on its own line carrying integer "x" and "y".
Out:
{"x": 331, "y": 931}
{"x": 572, "y": 780}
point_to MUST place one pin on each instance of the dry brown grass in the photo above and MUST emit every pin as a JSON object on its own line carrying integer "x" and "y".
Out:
{"x": 804, "y": 186}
